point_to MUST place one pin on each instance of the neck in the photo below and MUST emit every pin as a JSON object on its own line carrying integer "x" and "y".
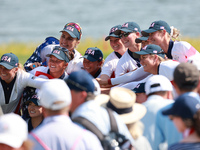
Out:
{"x": 36, "y": 121}
{"x": 56, "y": 74}
{"x": 165, "y": 45}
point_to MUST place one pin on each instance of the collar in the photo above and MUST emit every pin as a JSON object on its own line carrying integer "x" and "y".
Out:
{"x": 97, "y": 73}
{"x": 169, "y": 51}
{"x": 136, "y": 59}
{"x": 61, "y": 77}
{"x": 118, "y": 55}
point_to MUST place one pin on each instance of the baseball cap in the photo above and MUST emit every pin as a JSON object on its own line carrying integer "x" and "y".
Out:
{"x": 128, "y": 27}
{"x": 185, "y": 106}
{"x": 74, "y": 30}
{"x": 35, "y": 99}
{"x": 80, "y": 81}
{"x": 143, "y": 38}
{"x": 13, "y": 130}
{"x": 9, "y": 61}
{"x": 186, "y": 75}
{"x": 139, "y": 88}
{"x": 150, "y": 49}
{"x": 93, "y": 54}
{"x": 155, "y": 26}
{"x": 55, "y": 94}
{"x": 111, "y": 33}
{"x": 157, "y": 83}
{"x": 59, "y": 52}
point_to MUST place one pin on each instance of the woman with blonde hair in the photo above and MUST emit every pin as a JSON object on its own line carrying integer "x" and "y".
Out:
{"x": 161, "y": 34}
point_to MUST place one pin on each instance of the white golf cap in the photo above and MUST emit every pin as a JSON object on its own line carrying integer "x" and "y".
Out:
{"x": 13, "y": 130}
{"x": 157, "y": 83}
{"x": 55, "y": 94}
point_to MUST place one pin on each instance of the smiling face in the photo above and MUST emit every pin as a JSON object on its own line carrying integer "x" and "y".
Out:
{"x": 7, "y": 75}
{"x": 91, "y": 67}
{"x": 68, "y": 42}
{"x": 56, "y": 65}
{"x": 148, "y": 62}
{"x": 156, "y": 38}
{"x": 34, "y": 110}
{"x": 117, "y": 45}
{"x": 129, "y": 41}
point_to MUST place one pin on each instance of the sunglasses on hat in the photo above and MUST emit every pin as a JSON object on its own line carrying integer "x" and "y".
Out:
{"x": 125, "y": 34}
{"x": 76, "y": 25}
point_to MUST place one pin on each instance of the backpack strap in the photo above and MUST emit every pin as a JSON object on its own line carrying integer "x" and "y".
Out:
{"x": 113, "y": 123}
{"x": 89, "y": 126}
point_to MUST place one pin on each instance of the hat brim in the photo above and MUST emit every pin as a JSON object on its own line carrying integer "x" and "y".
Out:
{"x": 11, "y": 140}
{"x": 146, "y": 32}
{"x": 89, "y": 58}
{"x": 111, "y": 35}
{"x": 168, "y": 111}
{"x": 7, "y": 66}
{"x": 138, "y": 113}
{"x": 137, "y": 54}
{"x": 139, "y": 40}
{"x": 70, "y": 33}
{"x": 138, "y": 109}
{"x": 56, "y": 55}
{"x": 32, "y": 100}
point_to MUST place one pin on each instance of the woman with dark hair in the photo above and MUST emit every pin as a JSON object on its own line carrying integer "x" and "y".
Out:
{"x": 185, "y": 114}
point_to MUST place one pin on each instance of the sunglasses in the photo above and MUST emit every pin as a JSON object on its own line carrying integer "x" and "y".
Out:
{"x": 125, "y": 34}
{"x": 76, "y": 25}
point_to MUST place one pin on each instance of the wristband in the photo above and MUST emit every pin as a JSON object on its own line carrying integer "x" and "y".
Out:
{"x": 109, "y": 81}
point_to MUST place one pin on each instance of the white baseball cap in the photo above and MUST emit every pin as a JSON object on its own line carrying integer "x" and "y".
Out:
{"x": 55, "y": 94}
{"x": 157, "y": 83}
{"x": 13, "y": 130}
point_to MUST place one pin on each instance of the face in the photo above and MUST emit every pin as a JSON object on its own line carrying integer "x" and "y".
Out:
{"x": 91, "y": 67}
{"x": 117, "y": 45}
{"x": 68, "y": 42}
{"x": 178, "y": 122}
{"x": 129, "y": 41}
{"x": 34, "y": 110}
{"x": 141, "y": 97}
{"x": 7, "y": 75}
{"x": 144, "y": 43}
{"x": 56, "y": 65}
{"x": 156, "y": 38}
{"x": 148, "y": 62}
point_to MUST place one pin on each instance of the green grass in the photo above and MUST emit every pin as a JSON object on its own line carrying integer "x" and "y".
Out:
{"x": 24, "y": 50}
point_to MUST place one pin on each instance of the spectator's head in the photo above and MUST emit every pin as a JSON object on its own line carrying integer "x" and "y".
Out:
{"x": 82, "y": 87}
{"x": 55, "y": 97}
{"x": 186, "y": 78}
{"x": 158, "y": 85}
{"x": 13, "y": 132}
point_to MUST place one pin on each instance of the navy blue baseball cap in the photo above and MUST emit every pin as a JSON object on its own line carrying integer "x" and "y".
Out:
{"x": 60, "y": 53}
{"x": 35, "y": 99}
{"x": 185, "y": 106}
{"x": 139, "y": 88}
{"x": 93, "y": 54}
{"x": 74, "y": 29}
{"x": 143, "y": 38}
{"x": 150, "y": 49}
{"x": 155, "y": 26}
{"x": 111, "y": 33}
{"x": 9, "y": 61}
{"x": 128, "y": 27}
{"x": 80, "y": 81}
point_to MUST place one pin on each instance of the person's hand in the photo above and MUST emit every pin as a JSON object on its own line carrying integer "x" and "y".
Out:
{"x": 102, "y": 81}
{"x": 35, "y": 65}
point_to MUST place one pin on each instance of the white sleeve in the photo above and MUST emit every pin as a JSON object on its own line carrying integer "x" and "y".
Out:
{"x": 121, "y": 67}
{"x": 107, "y": 68}
{"x": 136, "y": 75}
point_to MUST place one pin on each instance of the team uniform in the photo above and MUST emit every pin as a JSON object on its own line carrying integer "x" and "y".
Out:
{"x": 110, "y": 64}
{"x": 166, "y": 68}
{"x": 14, "y": 93}
{"x": 126, "y": 63}
{"x": 46, "y": 48}
{"x": 181, "y": 51}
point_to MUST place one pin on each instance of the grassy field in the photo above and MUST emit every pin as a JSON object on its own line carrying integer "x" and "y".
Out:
{"x": 24, "y": 50}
